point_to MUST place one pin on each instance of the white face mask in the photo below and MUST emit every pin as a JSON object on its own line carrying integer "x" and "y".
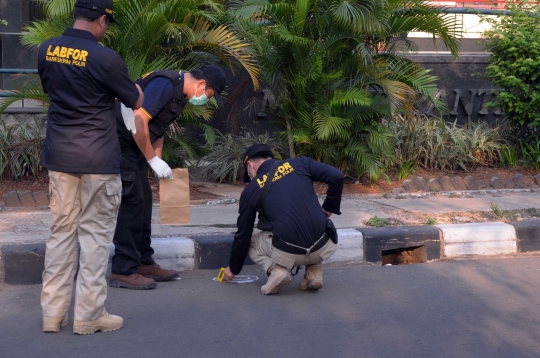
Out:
{"x": 200, "y": 100}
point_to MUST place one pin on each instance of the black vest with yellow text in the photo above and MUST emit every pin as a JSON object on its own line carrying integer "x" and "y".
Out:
{"x": 161, "y": 122}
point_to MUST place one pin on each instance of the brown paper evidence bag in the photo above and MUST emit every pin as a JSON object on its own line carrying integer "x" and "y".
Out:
{"x": 174, "y": 198}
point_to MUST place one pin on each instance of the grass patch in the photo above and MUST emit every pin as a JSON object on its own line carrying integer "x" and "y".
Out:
{"x": 377, "y": 221}
{"x": 496, "y": 210}
{"x": 508, "y": 215}
{"x": 533, "y": 212}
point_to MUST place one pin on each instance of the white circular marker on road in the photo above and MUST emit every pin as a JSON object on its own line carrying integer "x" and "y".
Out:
{"x": 241, "y": 279}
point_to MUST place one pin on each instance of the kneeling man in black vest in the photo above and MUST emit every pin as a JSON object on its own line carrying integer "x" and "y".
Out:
{"x": 295, "y": 229}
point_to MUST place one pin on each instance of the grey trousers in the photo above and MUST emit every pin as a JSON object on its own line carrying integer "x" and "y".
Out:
{"x": 263, "y": 253}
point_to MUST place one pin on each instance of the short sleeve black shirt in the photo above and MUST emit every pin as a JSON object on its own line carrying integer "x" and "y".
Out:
{"x": 82, "y": 79}
{"x": 157, "y": 94}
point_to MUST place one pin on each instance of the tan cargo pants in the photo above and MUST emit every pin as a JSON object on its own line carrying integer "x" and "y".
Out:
{"x": 263, "y": 253}
{"x": 84, "y": 208}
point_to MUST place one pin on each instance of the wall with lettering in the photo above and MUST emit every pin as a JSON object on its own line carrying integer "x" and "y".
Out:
{"x": 462, "y": 86}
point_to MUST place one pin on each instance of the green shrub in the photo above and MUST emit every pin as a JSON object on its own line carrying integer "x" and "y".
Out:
{"x": 377, "y": 221}
{"x": 509, "y": 156}
{"x": 531, "y": 154}
{"x": 406, "y": 168}
{"x": 224, "y": 160}
{"x": 20, "y": 150}
{"x": 435, "y": 144}
{"x": 514, "y": 67}
{"x": 338, "y": 67}
{"x": 179, "y": 147}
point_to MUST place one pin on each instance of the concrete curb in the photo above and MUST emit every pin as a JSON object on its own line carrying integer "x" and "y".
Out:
{"x": 23, "y": 264}
{"x": 378, "y": 240}
{"x": 478, "y": 239}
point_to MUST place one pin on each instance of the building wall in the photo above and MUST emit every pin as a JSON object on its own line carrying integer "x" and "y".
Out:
{"x": 461, "y": 85}
{"x": 461, "y": 82}
{"x": 12, "y": 54}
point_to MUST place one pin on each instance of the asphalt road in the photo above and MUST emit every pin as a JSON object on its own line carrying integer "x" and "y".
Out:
{"x": 479, "y": 308}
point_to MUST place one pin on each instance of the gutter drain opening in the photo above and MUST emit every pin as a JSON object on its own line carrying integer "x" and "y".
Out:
{"x": 402, "y": 256}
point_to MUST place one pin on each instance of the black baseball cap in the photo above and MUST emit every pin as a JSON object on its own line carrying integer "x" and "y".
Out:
{"x": 104, "y": 7}
{"x": 217, "y": 80}
{"x": 255, "y": 150}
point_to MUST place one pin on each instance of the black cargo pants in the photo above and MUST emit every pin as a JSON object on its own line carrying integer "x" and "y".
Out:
{"x": 133, "y": 226}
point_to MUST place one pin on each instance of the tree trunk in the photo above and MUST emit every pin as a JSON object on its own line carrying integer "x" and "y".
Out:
{"x": 290, "y": 138}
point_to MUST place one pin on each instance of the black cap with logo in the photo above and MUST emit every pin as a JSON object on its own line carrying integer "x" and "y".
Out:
{"x": 104, "y": 7}
{"x": 259, "y": 150}
{"x": 217, "y": 80}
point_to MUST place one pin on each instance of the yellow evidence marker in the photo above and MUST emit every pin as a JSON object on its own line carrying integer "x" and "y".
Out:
{"x": 221, "y": 274}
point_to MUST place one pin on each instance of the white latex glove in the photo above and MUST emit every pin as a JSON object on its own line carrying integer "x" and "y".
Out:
{"x": 161, "y": 168}
{"x": 129, "y": 118}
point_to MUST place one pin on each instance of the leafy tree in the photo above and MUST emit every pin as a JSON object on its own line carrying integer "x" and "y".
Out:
{"x": 157, "y": 34}
{"x": 154, "y": 35}
{"x": 515, "y": 62}
{"x": 337, "y": 68}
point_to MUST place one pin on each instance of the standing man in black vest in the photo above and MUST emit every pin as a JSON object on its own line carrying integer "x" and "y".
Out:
{"x": 295, "y": 230}
{"x": 166, "y": 94}
{"x": 81, "y": 152}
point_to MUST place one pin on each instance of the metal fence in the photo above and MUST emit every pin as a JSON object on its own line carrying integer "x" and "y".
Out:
{"x": 21, "y": 109}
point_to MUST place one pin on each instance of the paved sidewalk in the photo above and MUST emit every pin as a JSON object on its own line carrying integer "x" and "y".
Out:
{"x": 219, "y": 216}
{"x": 206, "y": 243}
{"x": 447, "y": 205}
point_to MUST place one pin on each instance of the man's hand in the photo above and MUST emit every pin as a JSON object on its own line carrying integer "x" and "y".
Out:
{"x": 129, "y": 118}
{"x": 229, "y": 276}
{"x": 161, "y": 168}
{"x": 327, "y": 213}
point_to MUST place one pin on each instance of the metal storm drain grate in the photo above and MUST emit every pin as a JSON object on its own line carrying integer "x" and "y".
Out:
{"x": 409, "y": 255}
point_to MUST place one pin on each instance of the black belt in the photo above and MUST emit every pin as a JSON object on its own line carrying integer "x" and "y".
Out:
{"x": 297, "y": 250}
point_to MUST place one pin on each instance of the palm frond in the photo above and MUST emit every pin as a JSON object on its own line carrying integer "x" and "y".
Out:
{"x": 329, "y": 127}
{"x": 350, "y": 98}
{"x": 27, "y": 88}
{"x": 223, "y": 43}
{"x": 57, "y": 7}
{"x": 39, "y": 31}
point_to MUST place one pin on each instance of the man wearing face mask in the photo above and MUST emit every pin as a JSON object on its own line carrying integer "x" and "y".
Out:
{"x": 141, "y": 134}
